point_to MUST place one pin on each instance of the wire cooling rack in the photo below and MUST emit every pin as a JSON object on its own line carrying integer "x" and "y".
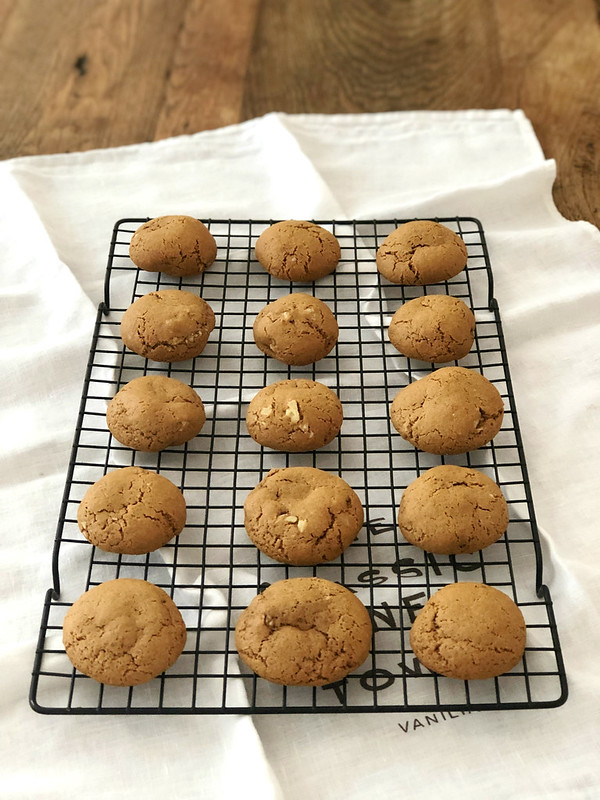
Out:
{"x": 213, "y": 571}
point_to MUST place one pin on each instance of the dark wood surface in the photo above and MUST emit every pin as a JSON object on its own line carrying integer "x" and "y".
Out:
{"x": 79, "y": 74}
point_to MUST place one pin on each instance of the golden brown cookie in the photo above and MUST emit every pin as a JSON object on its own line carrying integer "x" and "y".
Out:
{"x": 451, "y": 509}
{"x": 294, "y": 416}
{"x": 123, "y": 632}
{"x": 296, "y": 329}
{"x": 294, "y": 250}
{"x": 175, "y": 244}
{"x": 421, "y": 252}
{"x": 131, "y": 510}
{"x": 154, "y": 412}
{"x": 435, "y": 328}
{"x": 168, "y": 325}
{"x": 452, "y": 410}
{"x": 469, "y": 631}
{"x": 304, "y": 632}
{"x": 302, "y": 515}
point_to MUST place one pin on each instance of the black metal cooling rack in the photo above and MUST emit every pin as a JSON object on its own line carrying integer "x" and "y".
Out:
{"x": 213, "y": 571}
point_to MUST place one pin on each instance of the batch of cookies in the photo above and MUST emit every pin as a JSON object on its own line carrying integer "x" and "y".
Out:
{"x": 299, "y": 631}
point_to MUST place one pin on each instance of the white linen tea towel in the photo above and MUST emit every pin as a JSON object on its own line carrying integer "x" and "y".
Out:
{"x": 56, "y": 216}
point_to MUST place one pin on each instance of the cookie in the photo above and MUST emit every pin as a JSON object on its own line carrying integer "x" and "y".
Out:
{"x": 304, "y": 632}
{"x": 294, "y": 416}
{"x": 421, "y": 252}
{"x": 168, "y": 325}
{"x": 452, "y": 410}
{"x": 435, "y": 328}
{"x": 469, "y": 631}
{"x": 451, "y": 509}
{"x": 123, "y": 632}
{"x": 154, "y": 412}
{"x": 131, "y": 510}
{"x": 174, "y": 244}
{"x": 302, "y": 515}
{"x": 296, "y": 329}
{"x": 294, "y": 250}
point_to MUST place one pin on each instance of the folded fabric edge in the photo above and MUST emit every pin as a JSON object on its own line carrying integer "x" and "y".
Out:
{"x": 534, "y": 182}
{"x": 346, "y": 122}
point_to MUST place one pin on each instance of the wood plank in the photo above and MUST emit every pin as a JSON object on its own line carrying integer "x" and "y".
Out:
{"x": 205, "y": 84}
{"x": 551, "y": 69}
{"x": 85, "y": 74}
{"x": 344, "y": 57}
{"x": 543, "y": 56}
{"x": 99, "y": 73}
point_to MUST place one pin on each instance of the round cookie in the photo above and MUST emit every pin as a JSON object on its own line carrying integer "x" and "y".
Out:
{"x": 168, "y": 325}
{"x": 302, "y": 515}
{"x": 421, "y": 252}
{"x": 294, "y": 416}
{"x": 294, "y": 250}
{"x": 304, "y": 632}
{"x": 435, "y": 328}
{"x": 131, "y": 510}
{"x": 469, "y": 631}
{"x": 297, "y": 329}
{"x": 174, "y": 244}
{"x": 451, "y": 510}
{"x": 452, "y": 410}
{"x": 154, "y": 412}
{"x": 123, "y": 632}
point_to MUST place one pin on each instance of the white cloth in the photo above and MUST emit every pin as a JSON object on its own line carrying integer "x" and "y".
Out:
{"x": 56, "y": 216}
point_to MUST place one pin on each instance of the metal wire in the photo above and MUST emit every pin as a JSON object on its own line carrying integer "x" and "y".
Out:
{"x": 212, "y": 570}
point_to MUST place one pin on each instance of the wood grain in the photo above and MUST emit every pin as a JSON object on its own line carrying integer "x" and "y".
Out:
{"x": 98, "y": 73}
{"x": 205, "y": 84}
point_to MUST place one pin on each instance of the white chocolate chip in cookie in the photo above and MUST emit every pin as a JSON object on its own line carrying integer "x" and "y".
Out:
{"x": 292, "y": 411}
{"x": 299, "y": 415}
{"x": 302, "y": 515}
{"x": 296, "y": 329}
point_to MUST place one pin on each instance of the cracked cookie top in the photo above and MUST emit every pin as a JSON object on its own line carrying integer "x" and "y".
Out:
{"x": 469, "y": 631}
{"x": 294, "y": 416}
{"x": 304, "y": 632}
{"x": 421, "y": 252}
{"x": 451, "y": 509}
{"x": 153, "y": 412}
{"x": 296, "y": 329}
{"x": 302, "y": 515}
{"x": 174, "y": 244}
{"x": 124, "y": 632}
{"x": 131, "y": 510}
{"x": 435, "y": 328}
{"x": 452, "y": 410}
{"x": 295, "y": 250}
{"x": 167, "y": 325}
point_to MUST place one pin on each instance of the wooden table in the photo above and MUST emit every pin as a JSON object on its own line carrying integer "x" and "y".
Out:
{"x": 80, "y": 74}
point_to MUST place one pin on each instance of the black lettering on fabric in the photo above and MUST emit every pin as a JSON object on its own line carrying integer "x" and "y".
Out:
{"x": 413, "y": 671}
{"x": 386, "y": 615}
{"x": 376, "y": 680}
{"x": 429, "y": 557}
{"x": 403, "y": 567}
{"x": 378, "y": 526}
{"x": 411, "y": 606}
{"x": 469, "y": 566}
{"x": 430, "y": 719}
{"x": 339, "y": 688}
{"x": 372, "y": 576}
